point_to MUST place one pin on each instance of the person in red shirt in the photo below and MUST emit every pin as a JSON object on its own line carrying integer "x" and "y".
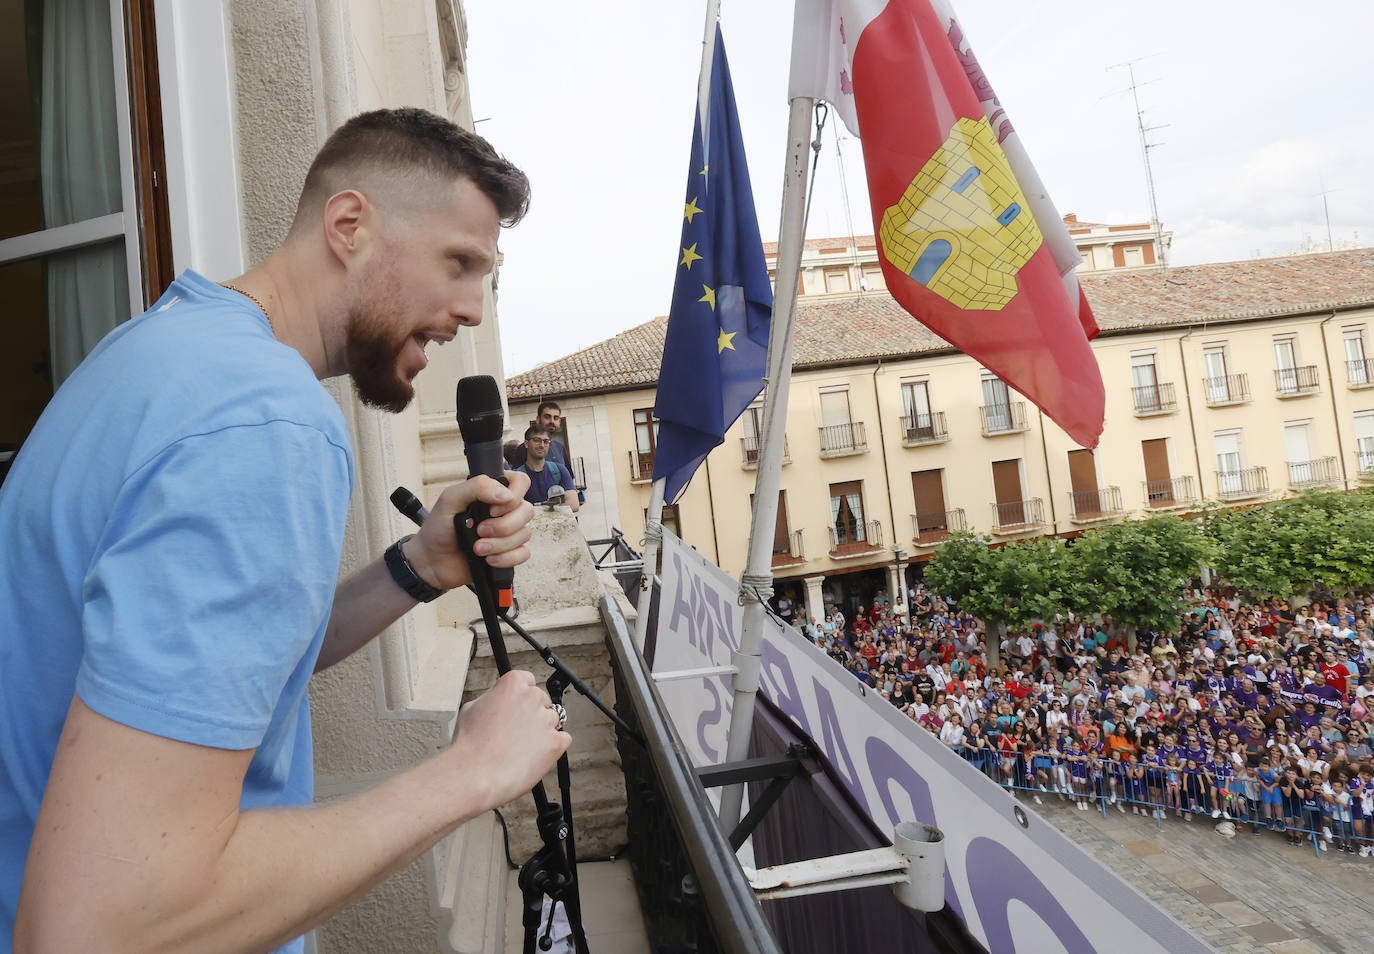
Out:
{"x": 1020, "y": 688}
{"x": 1335, "y": 673}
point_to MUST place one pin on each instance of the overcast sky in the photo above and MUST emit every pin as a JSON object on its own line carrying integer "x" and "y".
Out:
{"x": 1264, "y": 105}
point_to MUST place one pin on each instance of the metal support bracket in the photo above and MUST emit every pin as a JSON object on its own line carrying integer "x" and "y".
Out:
{"x": 859, "y": 869}
{"x": 779, "y": 770}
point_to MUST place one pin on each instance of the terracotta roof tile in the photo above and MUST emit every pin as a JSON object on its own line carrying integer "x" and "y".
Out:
{"x": 872, "y": 325}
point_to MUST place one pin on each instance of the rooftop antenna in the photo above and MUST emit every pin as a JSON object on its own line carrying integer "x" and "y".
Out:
{"x": 1330, "y": 242}
{"x": 1145, "y": 147}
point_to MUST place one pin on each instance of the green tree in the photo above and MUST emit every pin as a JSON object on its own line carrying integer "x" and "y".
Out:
{"x": 1007, "y": 586}
{"x": 1321, "y": 538}
{"x": 1134, "y": 571}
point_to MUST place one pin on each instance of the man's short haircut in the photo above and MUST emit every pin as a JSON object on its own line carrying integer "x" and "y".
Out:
{"x": 539, "y": 411}
{"x": 535, "y": 430}
{"x": 413, "y": 142}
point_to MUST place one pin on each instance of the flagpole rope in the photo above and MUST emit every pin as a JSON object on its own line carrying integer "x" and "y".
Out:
{"x": 822, "y": 114}
{"x": 757, "y": 585}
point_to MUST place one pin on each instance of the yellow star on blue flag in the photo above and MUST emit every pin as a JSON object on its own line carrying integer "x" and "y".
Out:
{"x": 716, "y": 347}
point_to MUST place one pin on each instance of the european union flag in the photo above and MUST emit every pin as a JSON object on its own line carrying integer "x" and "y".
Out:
{"x": 717, "y": 344}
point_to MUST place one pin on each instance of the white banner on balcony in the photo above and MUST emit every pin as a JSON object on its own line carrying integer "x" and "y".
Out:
{"x": 1015, "y": 880}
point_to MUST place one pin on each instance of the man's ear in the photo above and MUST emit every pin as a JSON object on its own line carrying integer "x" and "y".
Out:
{"x": 349, "y": 222}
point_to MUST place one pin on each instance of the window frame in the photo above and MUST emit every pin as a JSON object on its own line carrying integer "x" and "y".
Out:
{"x": 124, "y": 224}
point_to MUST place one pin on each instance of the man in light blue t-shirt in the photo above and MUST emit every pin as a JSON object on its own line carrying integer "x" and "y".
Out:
{"x": 170, "y": 536}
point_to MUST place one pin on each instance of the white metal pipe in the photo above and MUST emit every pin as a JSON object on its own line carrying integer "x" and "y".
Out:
{"x": 677, "y": 675}
{"x": 653, "y": 534}
{"x": 758, "y": 574}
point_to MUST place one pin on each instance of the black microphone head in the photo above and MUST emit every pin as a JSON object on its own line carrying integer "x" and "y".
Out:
{"x": 479, "y": 409}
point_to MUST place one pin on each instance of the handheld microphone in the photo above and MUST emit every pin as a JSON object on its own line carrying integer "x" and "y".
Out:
{"x": 410, "y": 506}
{"x": 481, "y": 421}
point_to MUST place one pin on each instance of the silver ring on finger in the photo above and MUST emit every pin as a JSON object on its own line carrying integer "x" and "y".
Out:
{"x": 562, "y": 716}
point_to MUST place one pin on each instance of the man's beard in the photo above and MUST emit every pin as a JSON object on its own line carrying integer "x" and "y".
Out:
{"x": 373, "y": 350}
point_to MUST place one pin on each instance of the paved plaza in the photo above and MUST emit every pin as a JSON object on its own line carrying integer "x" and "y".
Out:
{"x": 1251, "y": 894}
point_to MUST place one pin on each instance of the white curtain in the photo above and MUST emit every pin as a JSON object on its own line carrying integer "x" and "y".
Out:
{"x": 88, "y": 288}
{"x": 856, "y": 511}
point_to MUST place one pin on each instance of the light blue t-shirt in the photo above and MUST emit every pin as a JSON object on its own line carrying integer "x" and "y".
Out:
{"x": 170, "y": 536}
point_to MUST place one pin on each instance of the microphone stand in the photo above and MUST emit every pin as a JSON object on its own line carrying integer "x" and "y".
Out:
{"x": 549, "y": 872}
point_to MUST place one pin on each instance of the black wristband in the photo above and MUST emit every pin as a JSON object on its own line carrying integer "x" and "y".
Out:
{"x": 406, "y": 577}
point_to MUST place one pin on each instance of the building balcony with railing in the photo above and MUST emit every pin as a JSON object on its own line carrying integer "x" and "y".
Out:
{"x": 1091, "y": 506}
{"x": 1152, "y": 399}
{"x": 1227, "y": 390}
{"x": 641, "y": 467}
{"x": 1243, "y": 483}
{"x": 1169, "y": 493}
{"x": 860, "y": 540}
{"x": 1004, "y": 418}
{"x": 1364, "y": 463}
{"x": 1297, "y": 382}
{"x": 794, "y": 555}
{"x": 750, "y": 448}
{"x": 1360, "y": 373}
{"x": 1313, "y": 473}
{"x": 918, "y": 429}
{"x": 1018, "y": 516}
{"x": 928, "y": 529}
{"x": 840, "y": 440}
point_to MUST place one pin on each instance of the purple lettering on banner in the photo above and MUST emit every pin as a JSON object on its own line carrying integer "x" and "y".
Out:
{"x": 722, "y": 619}
{"x": 708, "y": 719}
{"x": 886, "y": 767}
{"x": 996, "y": 877}
{"x": 832, "y": 744}
{"x": 682, "y": 609}
{"x": 780, "y": 685}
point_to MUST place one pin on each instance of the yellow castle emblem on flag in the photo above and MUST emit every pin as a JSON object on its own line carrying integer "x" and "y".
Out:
{"x": 962, "y": 228}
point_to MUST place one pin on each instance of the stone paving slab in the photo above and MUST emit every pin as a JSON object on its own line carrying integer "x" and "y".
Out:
{"x": 1250, "y": 894}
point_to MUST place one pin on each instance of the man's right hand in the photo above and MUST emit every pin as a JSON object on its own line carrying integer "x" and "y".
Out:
{"x": 509, "y": 736}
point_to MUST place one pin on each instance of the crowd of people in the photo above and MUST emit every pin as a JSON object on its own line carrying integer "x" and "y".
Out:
{"x": 1258, "y": 713}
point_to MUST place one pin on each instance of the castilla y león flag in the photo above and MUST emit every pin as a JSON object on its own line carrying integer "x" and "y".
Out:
{"x": 970, "y": 243}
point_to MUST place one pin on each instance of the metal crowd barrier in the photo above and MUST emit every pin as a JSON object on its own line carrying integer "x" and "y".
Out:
{"x": 1101, "y": 784}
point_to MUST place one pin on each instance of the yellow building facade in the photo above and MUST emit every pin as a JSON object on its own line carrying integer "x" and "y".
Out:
{"x": 1236, "y": 382}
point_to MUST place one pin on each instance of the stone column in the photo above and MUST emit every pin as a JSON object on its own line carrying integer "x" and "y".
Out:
{"x": 899, "y": 594}
{"x": 895, "y": 590}
{"x": 815, "y": 600}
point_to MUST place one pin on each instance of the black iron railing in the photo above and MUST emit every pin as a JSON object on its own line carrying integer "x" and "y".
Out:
{"x": 1096, "y": 504}
{"x": 924, "y": 429}
{"x": 750, "y": 448}
{"x": 1247, "y": 482}
{"x": 1313, "y": 473}
{"x": 1303, "y": 380}
{"x": 1154, "y": 399}
{"x": 1227, "y": 389}
{"x": 1004, "y": 418}
{"x": 857, "y": 539}
{"x": 1360, "y": 372}
{"x": 1173, "y": 492}
{"x": 1018, "y": 514}
{"x": 691, "y": 887}
{"x": 840, "y": 439}
{"x": 928, "y": 528}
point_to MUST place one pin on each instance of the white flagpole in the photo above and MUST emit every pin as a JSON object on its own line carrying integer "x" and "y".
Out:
{"x": 653, "y": 534}
{"x": 653, "y": 524}
{"x": 756, "y": 585}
